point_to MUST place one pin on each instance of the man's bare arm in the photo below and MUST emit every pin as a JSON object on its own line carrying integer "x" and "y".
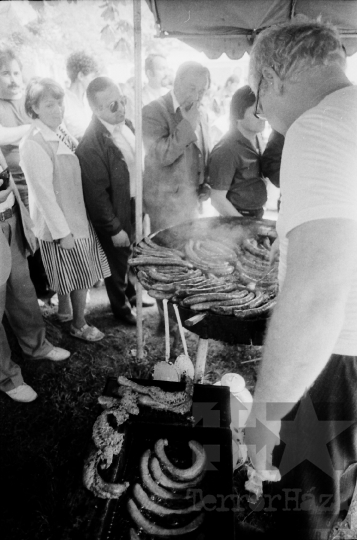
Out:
{"x": 222, "y": 204}
{"x": 12, "y": 135}
{"x": 310, "y": 311}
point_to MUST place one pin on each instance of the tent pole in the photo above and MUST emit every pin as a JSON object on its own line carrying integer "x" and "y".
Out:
{"x": 138, "y": 159}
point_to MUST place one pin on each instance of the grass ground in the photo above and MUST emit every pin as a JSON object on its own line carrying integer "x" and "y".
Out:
{"x": 42, "y": 444}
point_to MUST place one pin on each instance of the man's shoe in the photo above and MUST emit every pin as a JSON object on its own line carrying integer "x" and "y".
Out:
{"x": 128, "y": 319}
{"x": 145, "y": 303}
{"x": 23, "y": 393}
{"x": 57, "y": 355}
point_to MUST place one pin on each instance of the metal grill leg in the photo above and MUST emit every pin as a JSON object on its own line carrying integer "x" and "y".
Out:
{"x": 201, "y": 357}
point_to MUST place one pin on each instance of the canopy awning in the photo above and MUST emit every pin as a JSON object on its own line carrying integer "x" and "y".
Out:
{"x": 230, "y": 26}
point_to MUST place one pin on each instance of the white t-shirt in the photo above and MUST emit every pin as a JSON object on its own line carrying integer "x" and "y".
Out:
{"x": 124, "y": 139}
{"x": 149, "y": 94}
{"x": 77, "y": 114}
{"x": 318, "y": 180}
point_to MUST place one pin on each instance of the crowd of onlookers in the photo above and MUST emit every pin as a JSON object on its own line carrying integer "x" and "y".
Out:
{"x": 68, "y": 160}
{"x": 80, "y": 190}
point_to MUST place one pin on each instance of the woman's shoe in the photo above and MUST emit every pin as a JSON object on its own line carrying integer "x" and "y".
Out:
{"x": 87, "y": 333}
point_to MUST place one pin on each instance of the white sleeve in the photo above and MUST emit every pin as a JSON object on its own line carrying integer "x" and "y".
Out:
{"x": 319, "y": 169}
{"x": 38, "y": 169}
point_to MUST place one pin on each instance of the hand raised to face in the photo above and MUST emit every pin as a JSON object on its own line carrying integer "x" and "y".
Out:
{"x": 192, "y": 114}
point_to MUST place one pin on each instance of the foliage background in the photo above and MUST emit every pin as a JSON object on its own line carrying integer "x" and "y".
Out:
{"x": 44, "y": 33}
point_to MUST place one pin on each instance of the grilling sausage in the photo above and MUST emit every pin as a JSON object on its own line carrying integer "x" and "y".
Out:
{"x": 182, "y": 474}
{"x": 167, "y": 278}
{"x": 255, "y": 312}
{"x": 155, "y": 246}
{"x": 150, "y": 484}
{"x": 156, "y": 261}
{"x": 166, "y": 482}
{"x": 146, "y": 503}
{"x": 207, "y": 297}
{"x": 251, "y": 245}
{"x": 231, "y": 304}
{"x": 156, "y": 530}
{"x": 207, "y": 290}
{"x": 155, "y": 253}
{"x": 165, "y": 287}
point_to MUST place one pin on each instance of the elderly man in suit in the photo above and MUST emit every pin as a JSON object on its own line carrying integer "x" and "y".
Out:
{"x": 17, "y": 294}
{"x": 106, "y": 155}
{"x": 176, "y": 144}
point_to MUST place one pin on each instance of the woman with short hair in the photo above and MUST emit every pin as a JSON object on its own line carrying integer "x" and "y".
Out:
{"x": 71, "y": 252}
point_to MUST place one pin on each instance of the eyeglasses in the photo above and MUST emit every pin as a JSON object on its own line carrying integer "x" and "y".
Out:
{"x": 258, "y": 112}
{"x": 114, "y": 105}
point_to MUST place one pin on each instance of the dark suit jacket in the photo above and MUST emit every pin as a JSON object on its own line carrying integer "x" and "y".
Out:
{"x": 172, "y": 163}
{"x": 105, "y": 179}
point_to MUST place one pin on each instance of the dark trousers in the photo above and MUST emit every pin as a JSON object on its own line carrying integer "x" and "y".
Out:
{"x": 38, "y": 274}
{"x": 119, "y": 288}
{"x": 37, "y": 271}
{"x": 318, "y": 456}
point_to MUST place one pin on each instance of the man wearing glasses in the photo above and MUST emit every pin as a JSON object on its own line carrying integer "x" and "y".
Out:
{"x": 106, "y": 155}
{"x": 305, "y": 396}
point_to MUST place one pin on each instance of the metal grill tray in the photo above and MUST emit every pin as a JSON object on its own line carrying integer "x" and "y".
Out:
{"x": 217, "y": 485}
{"x": 210, "y": 427}
{"x": 225, "y": 328}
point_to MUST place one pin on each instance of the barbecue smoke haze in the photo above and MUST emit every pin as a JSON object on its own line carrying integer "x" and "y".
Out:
{"x": 228, "y": 231}
{"x": 177, "y": 206}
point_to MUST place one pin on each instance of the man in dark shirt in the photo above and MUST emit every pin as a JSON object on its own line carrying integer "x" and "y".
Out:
{"x": 238, "y": 187}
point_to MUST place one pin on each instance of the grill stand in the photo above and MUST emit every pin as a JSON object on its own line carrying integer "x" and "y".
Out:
{"x": 201, "y": 358}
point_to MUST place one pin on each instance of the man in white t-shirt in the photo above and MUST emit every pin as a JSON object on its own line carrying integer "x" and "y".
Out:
{"x": 156, "y": 72}
{"x": 302, "y": 431}
{"x": 81, "y": 70}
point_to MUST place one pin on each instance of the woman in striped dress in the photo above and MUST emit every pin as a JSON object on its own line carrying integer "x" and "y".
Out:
{"x": 72, "y": 256}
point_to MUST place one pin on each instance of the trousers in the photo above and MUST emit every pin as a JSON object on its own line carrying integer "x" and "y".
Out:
{"x": 317, "y": 457}
{"x": 119, "y": 287}
{"x": 18, "y": 301}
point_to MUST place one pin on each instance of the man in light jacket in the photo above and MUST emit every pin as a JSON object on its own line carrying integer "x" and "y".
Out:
{"x": 177, "y": 145}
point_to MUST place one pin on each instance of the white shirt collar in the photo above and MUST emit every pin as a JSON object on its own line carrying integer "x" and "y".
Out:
{"x": 51, "y": 136}
{"x": 46, "y": 132}
{"x": 175, "y": 102}
{"x": 111, "y": 127}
